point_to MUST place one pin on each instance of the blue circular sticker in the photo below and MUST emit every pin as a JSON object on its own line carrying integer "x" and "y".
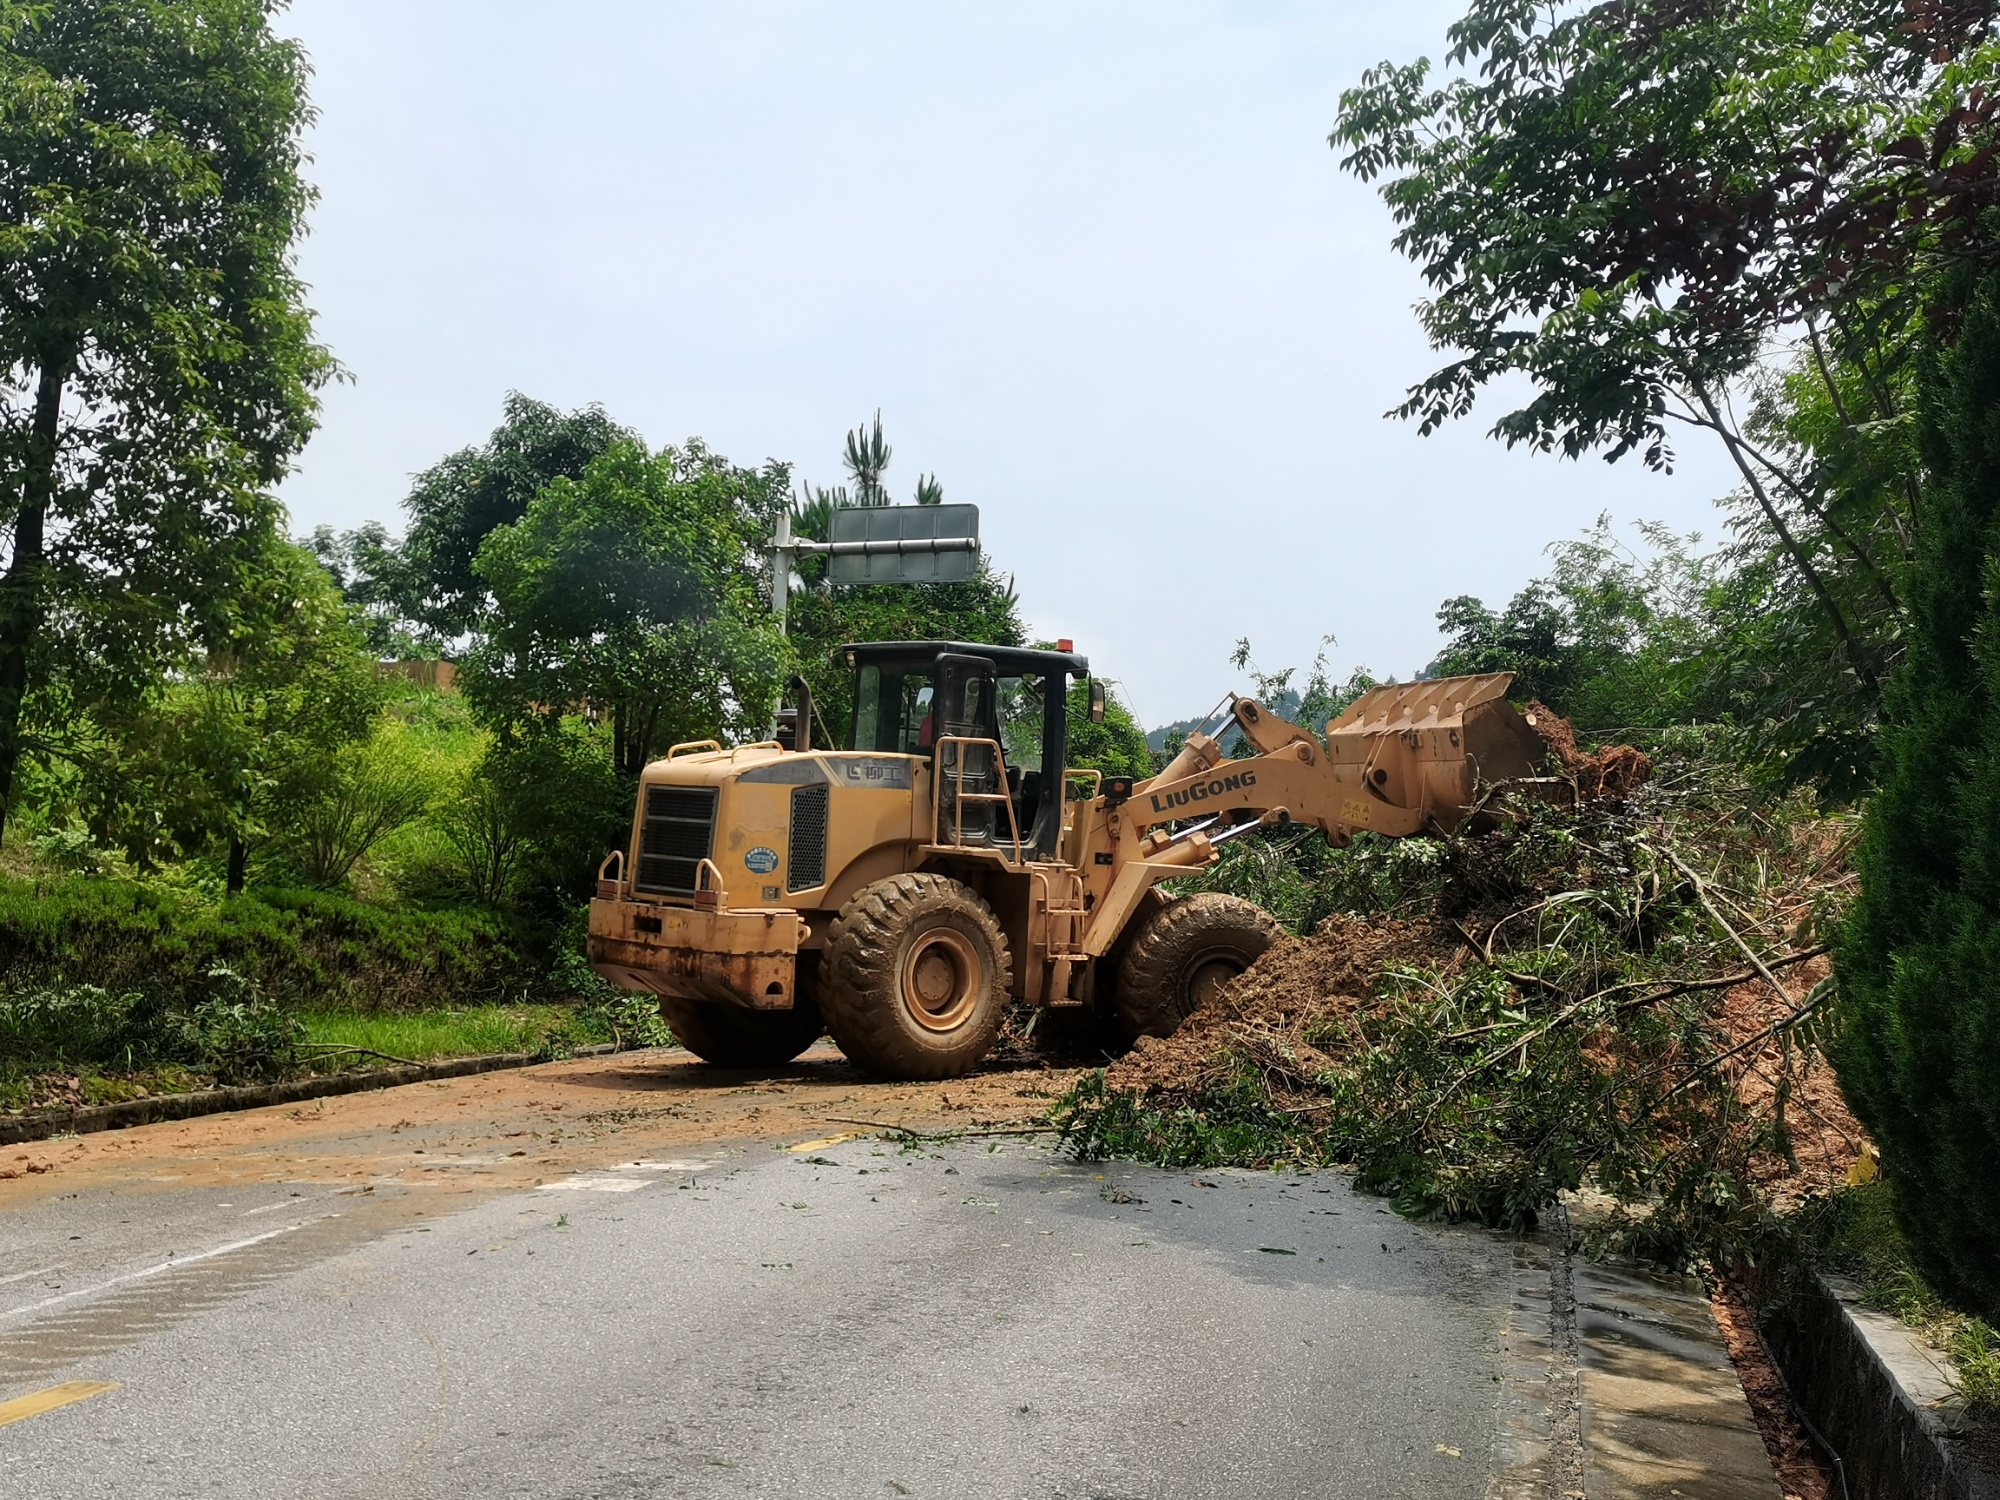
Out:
{"x": 761, "y": 861}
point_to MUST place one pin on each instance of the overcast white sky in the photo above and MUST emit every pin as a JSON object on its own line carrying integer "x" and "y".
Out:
{"x": 1095, "y": 263}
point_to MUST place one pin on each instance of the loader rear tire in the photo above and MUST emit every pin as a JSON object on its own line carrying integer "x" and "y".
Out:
{"x": 1183, "y": 955}
{"x": 914, "y": 977}
{"x": 731, "y": 1036}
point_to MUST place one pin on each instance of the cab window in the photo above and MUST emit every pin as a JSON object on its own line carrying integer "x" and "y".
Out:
{"x": 1021, "y": 721}
{"x": 892, "y": 710}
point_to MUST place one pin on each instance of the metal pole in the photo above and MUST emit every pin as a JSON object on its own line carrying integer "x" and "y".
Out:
{"x": 781, "y": 568}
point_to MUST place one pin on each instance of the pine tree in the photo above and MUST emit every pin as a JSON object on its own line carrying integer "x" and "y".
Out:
{"x": 1918, "y": 1049}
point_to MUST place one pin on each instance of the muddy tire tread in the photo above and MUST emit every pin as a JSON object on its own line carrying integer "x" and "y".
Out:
{"x": 730, "y": 1036}
{"x": 1167, "y": 946}
{"x": 859, "y": 979}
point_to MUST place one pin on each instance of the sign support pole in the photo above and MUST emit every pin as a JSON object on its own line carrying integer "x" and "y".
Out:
{"x": 781, "y": 568}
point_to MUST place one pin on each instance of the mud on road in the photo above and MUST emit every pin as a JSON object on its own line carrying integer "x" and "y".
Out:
{"x": 497, "y": 1131}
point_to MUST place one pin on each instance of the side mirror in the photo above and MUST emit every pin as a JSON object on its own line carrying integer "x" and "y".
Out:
{"x": 1097, "y": 699}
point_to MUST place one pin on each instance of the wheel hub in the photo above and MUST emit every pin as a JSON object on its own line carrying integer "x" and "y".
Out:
{"x": 940, "y": 980}
{"x": 1207, "y": 980}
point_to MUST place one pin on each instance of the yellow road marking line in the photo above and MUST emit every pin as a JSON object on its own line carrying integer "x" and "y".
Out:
{"x": 831, "y": 1140}
{"x": 23, "y": 1407}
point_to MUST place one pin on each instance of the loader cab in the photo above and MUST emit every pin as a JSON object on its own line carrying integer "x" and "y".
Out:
{"x": 910, "y": 695}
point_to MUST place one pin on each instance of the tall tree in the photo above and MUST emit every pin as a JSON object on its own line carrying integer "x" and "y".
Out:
{"x": 244, "y": 735}
{"x": 459, "y": 501}
{"x": 634, "y": 592}
{"x": 1651, "y": 209}
{"x": 157, "y": 364}
{"x": 1919, "y": 960}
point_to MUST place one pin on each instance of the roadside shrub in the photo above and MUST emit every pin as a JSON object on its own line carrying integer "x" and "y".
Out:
{"x": 72, "y": 1025}
{"x": 231, "y": 1032}
{"x": 239, "y": 1035}
{"x": 371, "y": 789}
{"x": 1919, "y": 963}
{"x": 487, "y": 838}
{"x": 304, "y": 948}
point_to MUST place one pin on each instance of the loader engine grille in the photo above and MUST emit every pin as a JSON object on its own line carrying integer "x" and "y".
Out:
{"x": 805, "y": 860}
{"x": 678, "y": 834}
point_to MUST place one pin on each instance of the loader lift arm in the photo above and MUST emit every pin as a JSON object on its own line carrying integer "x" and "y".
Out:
{"x": 1401, "y": 760}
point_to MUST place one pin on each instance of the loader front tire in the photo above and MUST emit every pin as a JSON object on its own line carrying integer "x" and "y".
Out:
{"x": 1183, "y": 955}
{"x": 731, "y": 1036}
{"x": 914, "y": 977}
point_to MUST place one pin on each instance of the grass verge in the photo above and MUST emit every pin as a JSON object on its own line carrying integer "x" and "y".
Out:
{"x": 428, "y": 1036}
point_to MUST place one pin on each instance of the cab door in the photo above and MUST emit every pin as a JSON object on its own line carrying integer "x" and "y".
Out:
{"x": 965, "y": 705}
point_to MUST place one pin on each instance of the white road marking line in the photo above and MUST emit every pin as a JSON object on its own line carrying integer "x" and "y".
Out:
{"x": 24, "y": 1275}
{"x": 594, "y": 1184}
{"x": 663, "y": 1166}
{"x": 166, "y": 1265}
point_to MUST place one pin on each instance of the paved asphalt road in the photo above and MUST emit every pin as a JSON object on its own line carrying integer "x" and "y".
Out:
{"x": 987, "y": 1319}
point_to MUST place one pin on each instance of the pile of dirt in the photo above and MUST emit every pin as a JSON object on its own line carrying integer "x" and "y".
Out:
{"x": 1613, "y": 772}
{"x": 1827, "y": 1141}
{"x": 1301, "y": 986}
{"x": 1314, "y": 987}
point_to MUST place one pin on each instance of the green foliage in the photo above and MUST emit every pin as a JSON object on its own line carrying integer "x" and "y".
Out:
{"x": 1629, "y": 641}
{"x": 303, "y": 948}
{"x": 1727, "y": 219}
{"x": 1234, "y": 1124}
{"x": 1483, "y": 1087}
{"x": 1609, "y": 639}
{"x": 634, "y": 591}
{"x": 1624, "y": 202}
{"x": 452, "y": 1031}
{"x": 539, "y": 814}
{"x": 157, "y": 367}
{"x": 1117, "y": 747}
{"x": 240, "y": 1036}
{"x": 1309, "y": 704}
{"x": 250, "y": 733}
{"x": 1301, "y": 880}
{"x": 1858, "y": 1233}
{"x": 228, "y": 1031}
{"x": 374, "y": 576}
{"x": 368, "y": 790}
{"x": 457, "y": 503}
{"x": 1919, "y": 1055}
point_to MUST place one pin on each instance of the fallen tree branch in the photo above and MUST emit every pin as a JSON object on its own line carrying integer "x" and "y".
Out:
{"x": 1708, "y": 905}
{"x": 334, "y": 1049}
{"x": 947, "y": 1132}
{"x": 1813, "y": 1001}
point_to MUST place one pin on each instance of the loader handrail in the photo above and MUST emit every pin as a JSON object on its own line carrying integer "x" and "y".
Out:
{"x": 704, "y": 868}
{"x": 960, "y": 796}
{"x": 690, "y": 746}
{"x": 1096, "y": 780}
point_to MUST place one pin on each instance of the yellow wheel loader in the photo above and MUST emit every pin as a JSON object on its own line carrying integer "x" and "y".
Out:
{"x": 900, "y": 891}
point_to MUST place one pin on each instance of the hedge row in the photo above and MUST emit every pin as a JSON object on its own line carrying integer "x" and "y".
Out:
{"x": 303, "y": 948}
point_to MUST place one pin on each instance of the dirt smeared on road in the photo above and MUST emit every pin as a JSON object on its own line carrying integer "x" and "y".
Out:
{"x": 494, "y": 1131}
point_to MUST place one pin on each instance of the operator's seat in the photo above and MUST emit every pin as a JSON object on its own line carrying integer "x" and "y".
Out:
{"x": 1027, "y": 789}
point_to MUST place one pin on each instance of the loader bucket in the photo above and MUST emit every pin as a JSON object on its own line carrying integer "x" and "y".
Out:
{"x": 1433, "y": 745}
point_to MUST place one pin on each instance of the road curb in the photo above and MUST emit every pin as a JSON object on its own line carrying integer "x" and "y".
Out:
{"x": 155, "y": 1108}
{"x": 1878, "y": 1391}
